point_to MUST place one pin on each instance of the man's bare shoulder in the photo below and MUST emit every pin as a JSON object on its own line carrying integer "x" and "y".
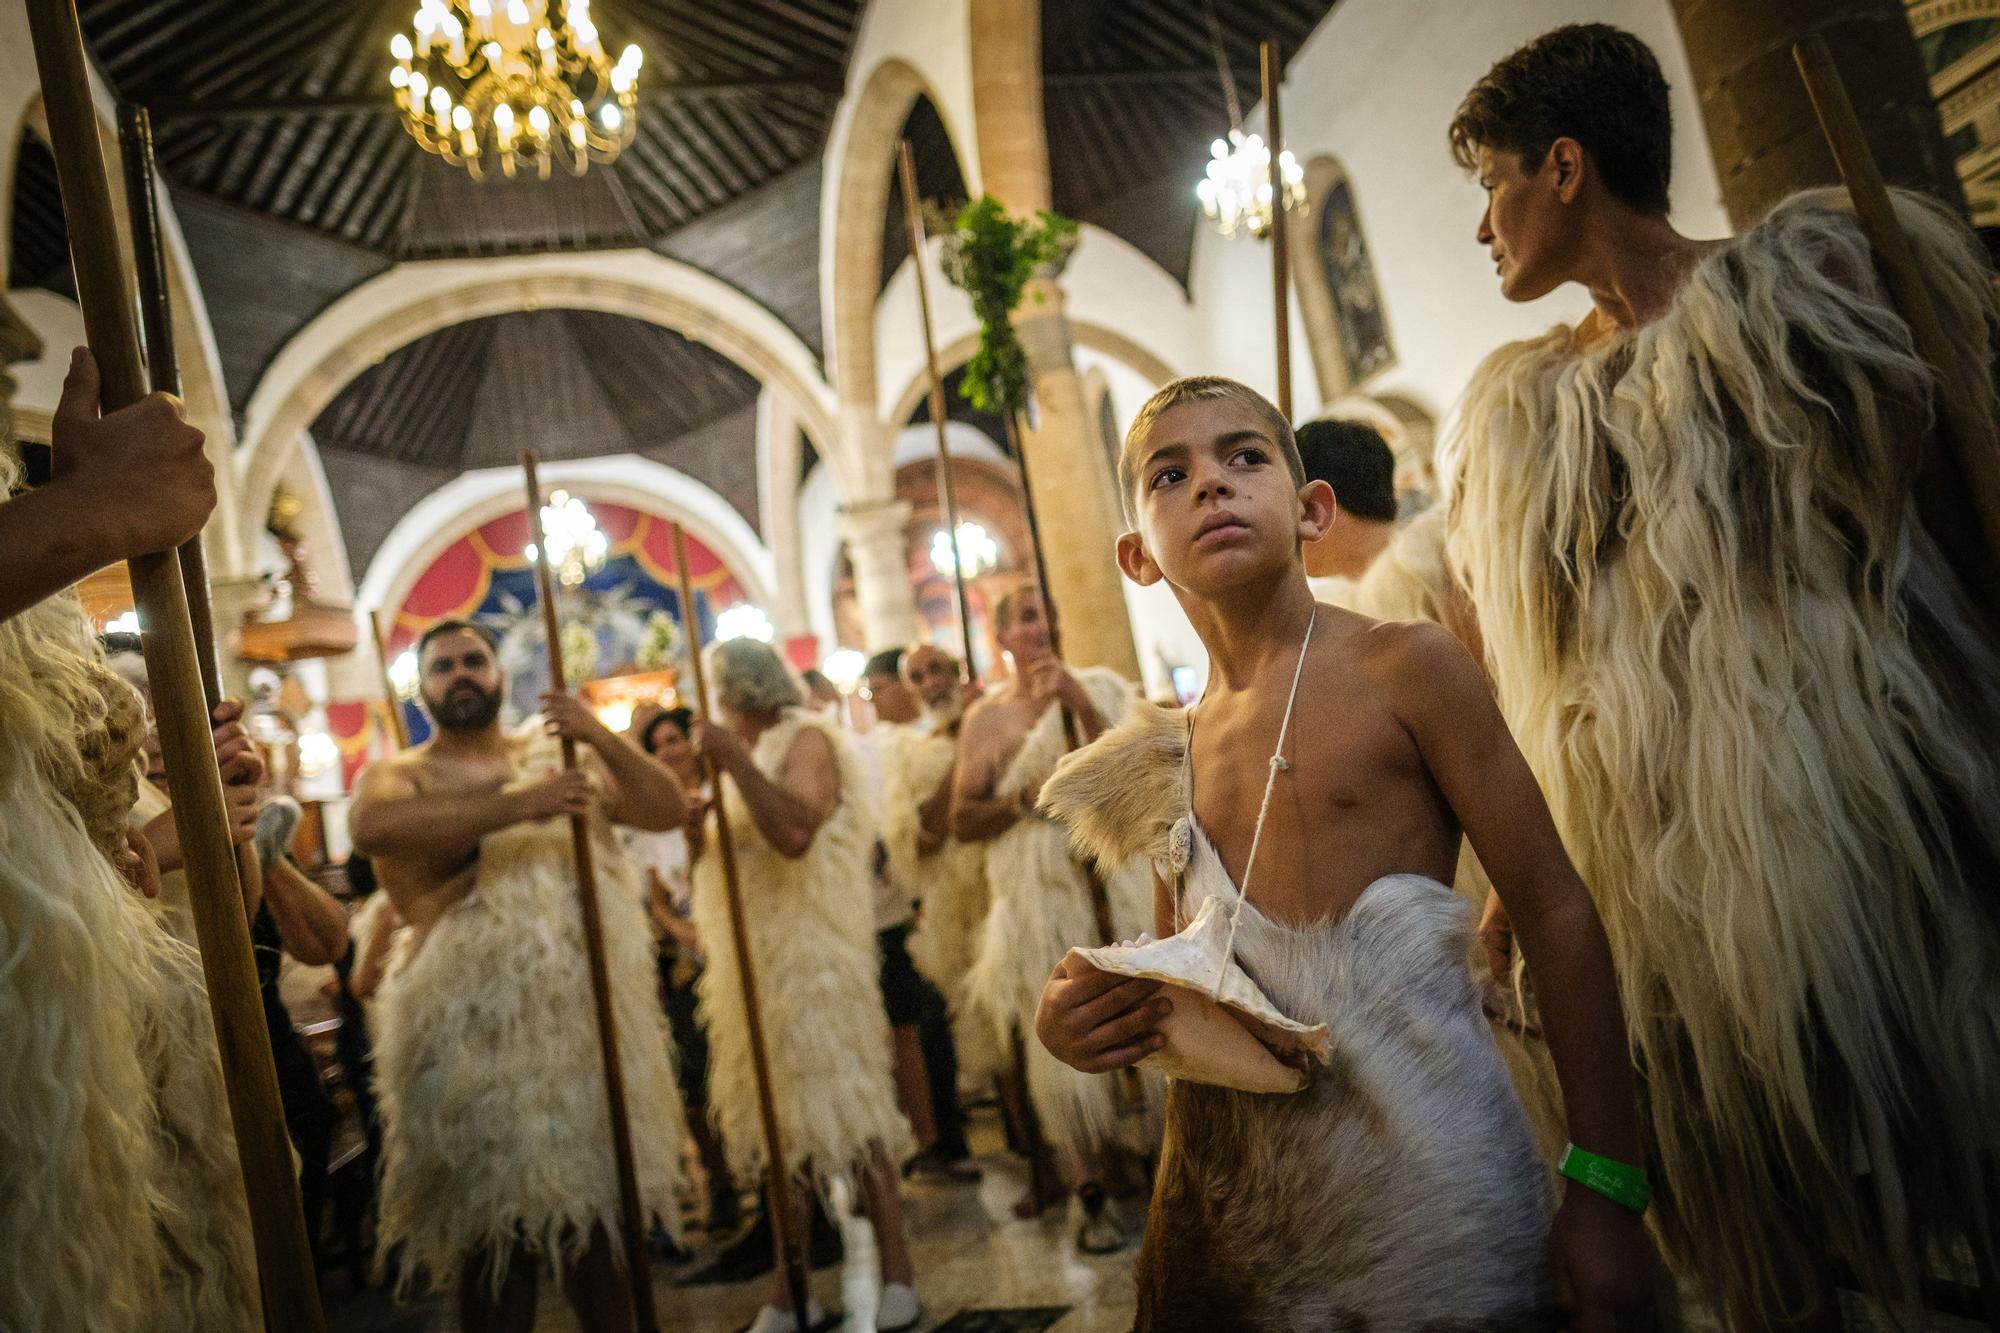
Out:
{"x": 985, "y": 716}
{"x": 391, "y": 776}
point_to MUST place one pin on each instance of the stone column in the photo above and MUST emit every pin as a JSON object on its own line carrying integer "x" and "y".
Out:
{"x": 1761, "y": 129}
{"x": 1074, "y": 494}
{"x": 877, "y": 535}
{"x": 1072, "y": 490}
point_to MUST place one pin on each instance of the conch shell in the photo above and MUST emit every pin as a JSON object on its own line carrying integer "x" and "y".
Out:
{"x": 1231, "y": 1036}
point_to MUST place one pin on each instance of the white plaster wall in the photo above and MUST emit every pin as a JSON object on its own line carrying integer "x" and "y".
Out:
{"x": 1376, "y": 87}
{"x": 58, "y": 322}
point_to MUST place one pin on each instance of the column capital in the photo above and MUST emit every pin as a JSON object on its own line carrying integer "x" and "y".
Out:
{"x": 874, "y": 520}
{"x": 877, "y": 534}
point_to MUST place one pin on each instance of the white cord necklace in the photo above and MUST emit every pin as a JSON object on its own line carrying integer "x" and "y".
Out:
{"x": 1278, "y": 765}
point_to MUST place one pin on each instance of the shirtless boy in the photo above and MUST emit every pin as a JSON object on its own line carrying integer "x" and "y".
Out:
{"x": 497, "y": 1158}
{"x": 1400, "y": 1188}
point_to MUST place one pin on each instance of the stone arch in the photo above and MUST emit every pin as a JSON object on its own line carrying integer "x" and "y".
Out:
{"x": 473, "y": 498}
{"x": 1098, "y": 337}
{"x": 1327, "y": 334}
{"x": 414, "y": 299}
{"x": 861, "y": 172}
{"x": 1928, "y": 16}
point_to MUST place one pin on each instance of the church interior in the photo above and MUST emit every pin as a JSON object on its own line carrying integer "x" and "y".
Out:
{"x": 680, "y": 272}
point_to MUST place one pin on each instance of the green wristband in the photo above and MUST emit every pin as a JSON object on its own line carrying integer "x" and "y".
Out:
{"x": 1616, "y": 1181}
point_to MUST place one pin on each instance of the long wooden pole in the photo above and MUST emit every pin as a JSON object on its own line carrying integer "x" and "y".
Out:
{"x": 264, "y": 1153}
{"x": 1281, "y": 277}
{"x": 791, "y": 1244}
{"x": 399, "y": 726}
{"x": 1956, "y": 486}
{"x": 163, "y": 367}
{"x": 913, "y": 220}
{"x": 631, "y": 1212}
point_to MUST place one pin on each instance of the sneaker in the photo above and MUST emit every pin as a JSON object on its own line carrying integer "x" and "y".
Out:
{"x": 773, "y": 1320}
{"x": 276, "y": 823}
{"x": 1100, "y": 1231}
{"x": 899, "y": 1308}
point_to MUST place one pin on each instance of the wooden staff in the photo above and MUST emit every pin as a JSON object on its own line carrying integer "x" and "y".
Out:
{"x": 264, "y": 1153}
{"x": 631, "y": 1213}
{"x": 1274, "y": 73}
{"x": 163, "y": 367}
{"x": 399, "y": 727}
{"x": 791, "y": 1247}
{"x": 1958, "y": 493}
{"x": 913, "y": 220}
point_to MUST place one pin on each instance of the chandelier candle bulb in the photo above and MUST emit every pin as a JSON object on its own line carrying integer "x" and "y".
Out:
{"x": 531, "y": 76}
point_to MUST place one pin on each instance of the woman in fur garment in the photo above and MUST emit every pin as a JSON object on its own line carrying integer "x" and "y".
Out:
{"x": 803, "y": 840}
{"x": 1748, "y": 682}
{"x": 1042, "y": 900}
{"x": 121, "y": 1205}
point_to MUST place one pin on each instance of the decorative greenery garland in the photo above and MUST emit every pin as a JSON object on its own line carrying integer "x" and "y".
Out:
{"x": 992, "y": 256}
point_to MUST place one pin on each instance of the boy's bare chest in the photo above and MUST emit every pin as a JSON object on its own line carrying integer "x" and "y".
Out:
{"x": 1351, "y": 803}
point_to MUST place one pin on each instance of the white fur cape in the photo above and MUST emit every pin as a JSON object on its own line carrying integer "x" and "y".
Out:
{"x": 949, "y": 884}
{"x": 121, "y": 1207}
{"x": 812, "y": 942}
{"x": 495, "y": 1124}
{"x": 1401, "y": 1187}
{"x": 1041, "y": 906}
{"x": 1765, "y": 729}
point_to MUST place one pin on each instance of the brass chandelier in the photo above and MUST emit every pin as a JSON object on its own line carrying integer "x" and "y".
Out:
{"x": 514, "y": 82}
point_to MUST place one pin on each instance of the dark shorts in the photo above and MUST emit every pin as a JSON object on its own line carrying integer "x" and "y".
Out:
{"x": 902, "y": 987}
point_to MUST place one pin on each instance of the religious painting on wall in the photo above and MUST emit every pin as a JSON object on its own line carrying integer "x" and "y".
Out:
{"x": 1350, "y": 280}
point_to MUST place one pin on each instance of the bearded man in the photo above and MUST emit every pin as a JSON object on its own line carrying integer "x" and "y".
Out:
{"x": 1751, "y": 687}
{"x": 497, "y": 1159}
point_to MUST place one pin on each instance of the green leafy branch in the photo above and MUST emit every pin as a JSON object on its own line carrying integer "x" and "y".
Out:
{"x": 992, "y": 256}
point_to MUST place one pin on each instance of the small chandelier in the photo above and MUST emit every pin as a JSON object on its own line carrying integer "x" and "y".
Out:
{"x": 975, "y": 546}
{"x": 1236, "y": 192}
{"x": 514, "y": 81}
{"x": 576, "y": 546}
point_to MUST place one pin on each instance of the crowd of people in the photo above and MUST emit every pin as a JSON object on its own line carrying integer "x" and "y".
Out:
{"x": 1674, "y": 694}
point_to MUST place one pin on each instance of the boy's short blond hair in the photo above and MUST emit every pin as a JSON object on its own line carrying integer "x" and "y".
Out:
{"x": 1201, "y": 389}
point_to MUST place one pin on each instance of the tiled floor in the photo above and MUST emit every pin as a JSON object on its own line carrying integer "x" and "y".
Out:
{"x": 971, "y": 1253}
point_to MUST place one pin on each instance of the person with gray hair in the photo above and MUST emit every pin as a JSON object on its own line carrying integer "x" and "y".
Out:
{"x": 803, "y": 837}
{"x": 750, "y": 677}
